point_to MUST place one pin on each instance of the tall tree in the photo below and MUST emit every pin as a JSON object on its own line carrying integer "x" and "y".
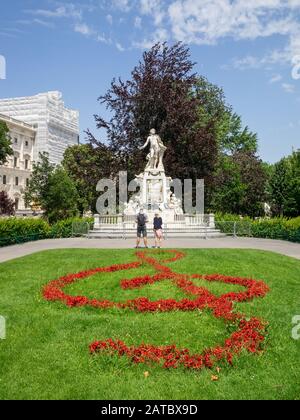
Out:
{"x": 294, "y": 202}
{"x": 5, "y": 143}
{"x": 285, "y": 186}
{"x": 160, "y": 94}
{"x": 228, "y": 189}
{"x": 86, "y": 165}
{"x": 62, "y": 196}
{"x": 279, "y": 185}
{"x": 239, "y": 185}
{"x": 52, "y": 190}
{"x": 254, "y": 178}
{"x": 37, "y": 191}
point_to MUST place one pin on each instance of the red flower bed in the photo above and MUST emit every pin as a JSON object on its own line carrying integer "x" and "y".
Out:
{"x": 249, "y": 336}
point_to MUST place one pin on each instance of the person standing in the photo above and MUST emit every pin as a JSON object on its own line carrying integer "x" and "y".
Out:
{"x": 158, "y": 231}
{"x": 141, "y": 221}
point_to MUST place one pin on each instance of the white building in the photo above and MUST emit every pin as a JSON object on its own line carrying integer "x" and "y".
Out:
{"x": 15, "y": 174}
{"x": 56, "y": 126}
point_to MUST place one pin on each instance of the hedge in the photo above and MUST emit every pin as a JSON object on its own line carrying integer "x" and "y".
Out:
{"x": 63, "y": 228}
{"x": 14, "y": 230}
{"x": 280, "y": 228}
{"x": 276, "y": 228}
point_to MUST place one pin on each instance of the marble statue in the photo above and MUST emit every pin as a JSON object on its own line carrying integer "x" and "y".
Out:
{"x": 154, "y": 186}
{"x": 157, "y": 151}
{"x": 133, "y": 206}
{"x": 175, "y": 203}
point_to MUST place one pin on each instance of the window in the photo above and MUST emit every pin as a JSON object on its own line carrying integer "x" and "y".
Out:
{"x": 4, "y": 180}
{"x": 27, "y": 182}
{"x": 15, "y": 162}
{"x": 26, "y": 163}
{"x": 15, "y": 140}
{"x": 16, "y": 203}
{"x": 26, "y": 143}
{"x": 17, "y": 180}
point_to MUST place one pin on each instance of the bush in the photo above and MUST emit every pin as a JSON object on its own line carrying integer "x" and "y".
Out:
{"x": 13, "y": 230}
{"x": 230, "y": 223}
{"x": 63, "y": 228}
{"x": 276, "y": 228}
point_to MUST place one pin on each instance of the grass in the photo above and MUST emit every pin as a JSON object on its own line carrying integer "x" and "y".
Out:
{"x": 45, "y": 354}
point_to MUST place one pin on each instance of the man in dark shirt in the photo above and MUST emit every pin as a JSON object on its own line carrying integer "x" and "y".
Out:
{"x": 141, "y": 221}
{"x": 157, "y": 226}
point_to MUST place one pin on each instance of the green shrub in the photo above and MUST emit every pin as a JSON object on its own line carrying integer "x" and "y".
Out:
{"x": 14, "y": 230}
{"x": 63, "y": 228}
{"x": 276, "y": 228}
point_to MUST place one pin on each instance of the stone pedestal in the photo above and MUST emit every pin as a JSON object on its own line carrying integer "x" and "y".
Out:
{"x": 155, "y": 195}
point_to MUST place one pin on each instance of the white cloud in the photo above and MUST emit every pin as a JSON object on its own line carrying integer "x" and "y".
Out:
{"x": 138, "y": 22}
{"x": 154, "y": 8}
{"x": 275, "y": 78}
{"x": 122, "y": 5}
{"x": 160, "y": 35}
{"x": 198, "y": 22}
{"x": 66, "y": 11}
{"x": 109, "y": 19}
{"x": 288, "y": 88}
{"x": 207, "y": 21}
{"x": 43, "y": 23}
{"x": 120, "y": 47}
{"x": 84, "y": 29}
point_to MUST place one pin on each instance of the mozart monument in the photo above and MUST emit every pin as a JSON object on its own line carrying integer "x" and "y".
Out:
{"x": 155, "y": 195}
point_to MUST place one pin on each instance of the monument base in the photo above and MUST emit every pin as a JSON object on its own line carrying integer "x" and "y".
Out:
{"x": 182, "y": 226}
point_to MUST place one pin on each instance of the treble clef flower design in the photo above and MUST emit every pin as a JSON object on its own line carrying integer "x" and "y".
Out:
{"x": 249, "y": 335}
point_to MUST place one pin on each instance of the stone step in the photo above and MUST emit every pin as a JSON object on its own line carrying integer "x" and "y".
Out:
{"x": 168, "y": 233}
{"x": 173, "y": 234}
{"x": 120, "y": 228}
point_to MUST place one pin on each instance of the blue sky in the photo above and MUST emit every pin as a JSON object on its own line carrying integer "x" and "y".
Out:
{"x": 250, "y": 48}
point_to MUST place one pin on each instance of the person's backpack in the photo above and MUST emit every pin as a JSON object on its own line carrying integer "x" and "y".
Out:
{"x": 141, "y": 220}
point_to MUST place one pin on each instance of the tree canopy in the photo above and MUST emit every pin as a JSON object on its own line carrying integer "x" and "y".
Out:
{"x": 52, "y": 190}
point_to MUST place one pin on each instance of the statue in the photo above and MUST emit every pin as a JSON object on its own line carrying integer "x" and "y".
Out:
{"x": 133, "y": 206}
{"x": 157, "y": 151}
{"x": 175, "y": 203}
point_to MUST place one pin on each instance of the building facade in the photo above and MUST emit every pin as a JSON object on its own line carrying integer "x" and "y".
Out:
{"x": 57, "y": 127}
{"x": 15, "y": 174}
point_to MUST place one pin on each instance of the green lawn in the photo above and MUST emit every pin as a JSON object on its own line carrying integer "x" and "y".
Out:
{"x": 46, "y": 352}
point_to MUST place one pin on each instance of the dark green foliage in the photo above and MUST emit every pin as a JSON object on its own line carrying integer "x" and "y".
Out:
{"x": 276, "y": 228}
{"x": 284, "y": 186}
{"x": 87, "y": 165}
{"x": 37, "y": 191}
{"x": 14, "y": 230}
{"x": 63, "y": 228}
{"x": 5, "y": 143}
{"x": 52, "y": 189}
{"x": 62, "y": 197}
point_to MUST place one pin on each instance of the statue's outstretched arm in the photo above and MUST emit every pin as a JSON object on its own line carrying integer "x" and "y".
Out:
{"x": 146, "y": 144}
